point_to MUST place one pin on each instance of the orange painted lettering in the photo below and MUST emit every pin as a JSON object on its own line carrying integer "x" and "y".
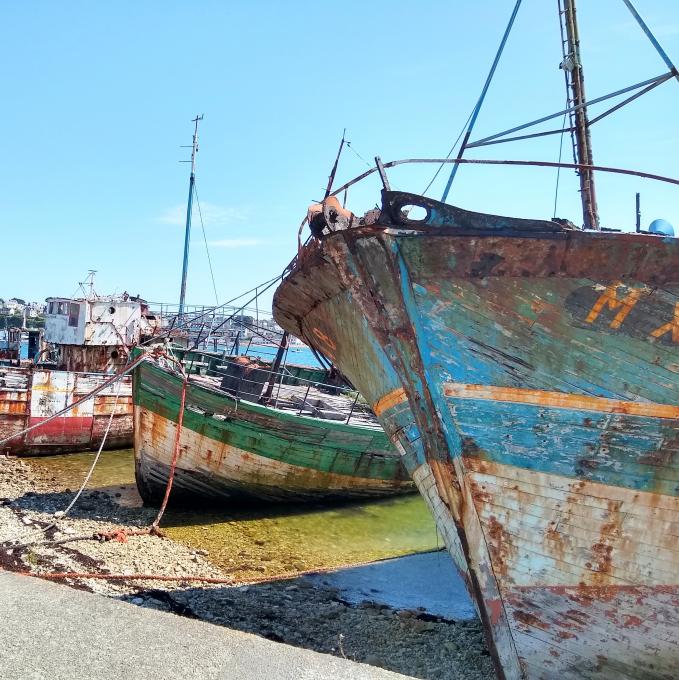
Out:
{"x": 609, "y": 298}
{"x": 672, "y": 326}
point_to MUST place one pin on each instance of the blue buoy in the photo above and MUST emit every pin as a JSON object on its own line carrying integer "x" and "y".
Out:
{"x": 661, "y": 227}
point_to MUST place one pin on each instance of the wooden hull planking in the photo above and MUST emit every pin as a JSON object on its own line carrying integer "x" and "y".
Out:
{"x": 537, "y": 394}
{"x": 232, "y": 450}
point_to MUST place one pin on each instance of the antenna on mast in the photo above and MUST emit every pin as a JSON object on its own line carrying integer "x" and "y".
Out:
{"x": 572, "y": 66}
{"x": 90, "y": 294}
{"x": 187, "y": 233}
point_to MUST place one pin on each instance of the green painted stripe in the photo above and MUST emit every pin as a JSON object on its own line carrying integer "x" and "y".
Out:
{"x": 321, "y": 445}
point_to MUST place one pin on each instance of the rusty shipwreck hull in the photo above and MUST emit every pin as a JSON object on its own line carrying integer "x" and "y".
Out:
{"x": 29, "y": 396}
{"x": 531, "y": 370}
{"x": 234, "y": 450}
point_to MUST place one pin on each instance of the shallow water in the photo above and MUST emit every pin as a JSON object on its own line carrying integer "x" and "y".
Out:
{"x": 267, "y": 540}
{"x": 427, "y": 581}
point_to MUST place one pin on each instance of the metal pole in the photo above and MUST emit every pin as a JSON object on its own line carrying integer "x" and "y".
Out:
{"x": 638, "y": 212}
{"x": 275, "y": 368}
{"x": 187, "y": 233}
{"x": 333, "y": 172}
{"x": 306, "y": 396}
{"x": 573, "y": 67}
{"x": 353, "y": 406}
{"x": 479, "y": 103}
{"x": 652, "y": 38}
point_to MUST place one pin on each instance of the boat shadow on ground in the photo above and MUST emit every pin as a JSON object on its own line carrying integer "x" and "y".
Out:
{"x": 306, "y": 612}
{"x": 123, "y": 505}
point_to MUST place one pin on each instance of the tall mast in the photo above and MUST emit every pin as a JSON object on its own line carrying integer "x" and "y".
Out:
{"x": 187, "y": 234}
{"x": 572, "y": 65}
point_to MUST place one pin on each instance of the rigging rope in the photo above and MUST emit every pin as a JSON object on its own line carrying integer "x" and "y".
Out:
{"x": 230, "y": 317}
{"x": 96, "y": 458}
{"x": 62, "y": 513}
{"x": 449, "y": 154}
{"x": 175, "y": 454}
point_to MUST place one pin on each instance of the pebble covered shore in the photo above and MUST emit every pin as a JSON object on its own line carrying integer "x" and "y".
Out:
{"x": 293, "y": 610}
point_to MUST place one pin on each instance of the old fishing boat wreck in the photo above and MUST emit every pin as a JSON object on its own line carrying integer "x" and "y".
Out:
{"x": 236, "y": 429}
{"x": 252, "y": 431}
{"x": 531, "y": 369}
{"x": 85, "y": 341}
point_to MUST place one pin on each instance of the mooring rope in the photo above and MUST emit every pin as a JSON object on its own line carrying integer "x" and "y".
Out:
{"x": 121, "y": 534}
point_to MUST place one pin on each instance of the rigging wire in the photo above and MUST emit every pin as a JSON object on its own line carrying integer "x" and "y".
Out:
{"x": 209, "y": 260}
{"x": 207, "y": 250}
{"x": 228, "y": 318}
{"x": 450, "y": 153}
{"x": 185, "y": 324}
{"x": 558, "y": 170}
{"x": 358, "y": 155}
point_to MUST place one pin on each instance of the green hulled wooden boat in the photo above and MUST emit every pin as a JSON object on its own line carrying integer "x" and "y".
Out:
{"x": 308, "y": 444}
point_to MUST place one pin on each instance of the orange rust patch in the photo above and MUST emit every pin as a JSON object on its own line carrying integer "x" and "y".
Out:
{"x": 329, "y": 344}
{"x": 565, "y": 635}
{"x": 529, "y": 619}
{"x": 603, "y": 550}
{"x": 479, "y": 493}
{"x": 14, "y": 408}
{"x": 631, "y": 621}
{"x": 554, "y": 543}
{"x": 447, "y": 486}
{"x": 494, "y": 608}
{"x": 499, "y": 546}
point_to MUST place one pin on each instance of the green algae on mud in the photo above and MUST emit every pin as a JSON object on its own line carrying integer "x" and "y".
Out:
{"x": 265, "y": 540}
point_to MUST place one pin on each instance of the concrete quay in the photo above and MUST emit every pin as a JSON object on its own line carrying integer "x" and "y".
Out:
{"x": 50, "y": 630}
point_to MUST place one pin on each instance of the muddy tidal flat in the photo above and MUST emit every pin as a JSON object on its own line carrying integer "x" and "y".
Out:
{"x": 346, "y": 614}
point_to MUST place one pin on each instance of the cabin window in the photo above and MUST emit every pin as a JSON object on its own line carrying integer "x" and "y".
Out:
{"x": 73, "y": 313}
{"x": 62, "y": 308}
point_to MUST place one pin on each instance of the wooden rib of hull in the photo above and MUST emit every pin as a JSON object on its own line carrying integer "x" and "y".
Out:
{"x": 252, "y": 451}
{"x": 537, "y": 395}
{"x": 31, "y": 396}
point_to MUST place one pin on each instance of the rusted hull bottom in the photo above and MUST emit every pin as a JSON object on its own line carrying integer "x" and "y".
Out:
{"x": 43, "y": 393}
{"x": 586, "y": 573}
{"x": 214, "y": 470}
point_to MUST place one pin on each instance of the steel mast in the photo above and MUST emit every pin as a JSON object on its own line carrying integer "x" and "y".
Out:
{"x": 572, "y": 66}
{"x": 187, "y": 233}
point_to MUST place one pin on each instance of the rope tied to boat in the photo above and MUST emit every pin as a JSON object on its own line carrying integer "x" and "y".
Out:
{"x": 119, "y": 535}
{"x": 175, "y": 453}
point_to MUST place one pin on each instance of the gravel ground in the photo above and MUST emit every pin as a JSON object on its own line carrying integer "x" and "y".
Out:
{"x": 294, "y": 611}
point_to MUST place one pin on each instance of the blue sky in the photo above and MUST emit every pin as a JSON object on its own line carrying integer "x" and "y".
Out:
{"x": 98, "y": 97}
